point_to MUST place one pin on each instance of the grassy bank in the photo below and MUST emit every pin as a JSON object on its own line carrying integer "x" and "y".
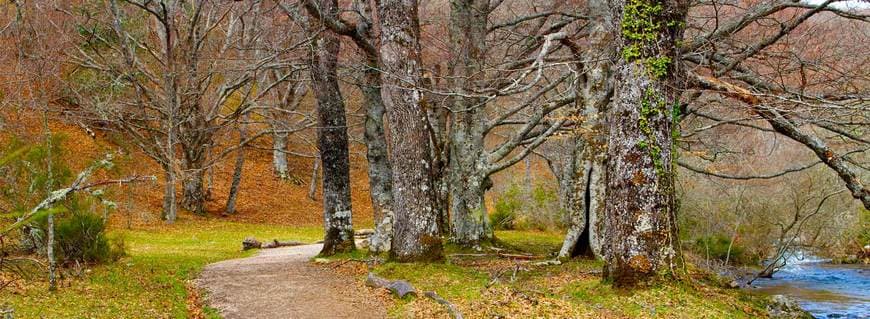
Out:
{"x": 153, "y": 281}
{"x": 500, "y": 288}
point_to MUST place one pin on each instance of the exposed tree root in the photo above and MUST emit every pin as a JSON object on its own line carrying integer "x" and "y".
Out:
{"x": 450, "y": 307}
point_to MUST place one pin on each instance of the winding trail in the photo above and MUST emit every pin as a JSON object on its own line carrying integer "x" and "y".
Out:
{"x": 282, "y": 283}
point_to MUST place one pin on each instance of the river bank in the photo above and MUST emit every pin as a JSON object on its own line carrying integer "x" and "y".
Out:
{"x": 823, "y": 289}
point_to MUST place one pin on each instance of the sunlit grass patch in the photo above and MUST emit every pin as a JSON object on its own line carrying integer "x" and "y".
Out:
{"x": 535, "y": 242}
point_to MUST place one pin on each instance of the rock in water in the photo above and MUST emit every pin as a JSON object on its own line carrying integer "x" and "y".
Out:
{"x": 782, "y": 307}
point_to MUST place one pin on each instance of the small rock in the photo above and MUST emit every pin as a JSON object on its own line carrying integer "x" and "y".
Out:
{"x": 321, "y": 260}
{"x": 782, "y": 307}
{"x": 734, "y": 284}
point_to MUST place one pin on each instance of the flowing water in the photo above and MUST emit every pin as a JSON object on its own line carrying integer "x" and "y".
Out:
{"x": 823, "y": 289}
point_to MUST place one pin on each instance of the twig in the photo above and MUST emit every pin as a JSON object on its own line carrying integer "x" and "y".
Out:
{"x": 502, "y": 255}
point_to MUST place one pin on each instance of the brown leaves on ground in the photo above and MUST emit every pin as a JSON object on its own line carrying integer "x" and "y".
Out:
{"x": 194, "y": 302}
{"x": 263, "y": 197}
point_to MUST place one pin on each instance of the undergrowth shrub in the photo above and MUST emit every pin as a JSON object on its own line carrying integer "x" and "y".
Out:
{"x": 81, "y": 237}
{"x": 521, "y": 208}
{"x": 505, "y": 211}
{"x": 717, "y": 247}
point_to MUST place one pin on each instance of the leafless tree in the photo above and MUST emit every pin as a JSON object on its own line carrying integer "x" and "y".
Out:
{"x": 332, "y": 135}
{"x": 171, "y": 88}
{"x": 416, "y": 235}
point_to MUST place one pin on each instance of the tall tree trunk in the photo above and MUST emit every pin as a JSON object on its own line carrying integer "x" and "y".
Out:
{"x": 571, "y": 173}
{"x": 237, "y": 171}
{"x": 193, "y": 198}
{"x": 332, "y": 138}
{"x": 416, "y": 235}
{"x": 170, "y": 210}
{"x": 582, "y": 183}
{"x": 279, "y": 153}
{"x": 379, "y": 172}
{"x": 195, "y": 141}
{"x": 468, "y": 181}
{"x": 640, "y": 213}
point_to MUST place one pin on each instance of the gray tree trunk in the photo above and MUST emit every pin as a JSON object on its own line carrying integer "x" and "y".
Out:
{"x": 279, "y": 154}
{"x": 289, "y": 101}
{"x": 584, "y": 206}
{"x": 467, "y": 167}
{"x": 416, "y": 235}
{"x": 195, "y": 139}
{"x": 640, "y": 211}
{"x": 193, "y": 198}
{"x": 170, "y": 210}
{"x": 379, "y": 172}
{"x": 572, "y": 173}
{"x": 332, "y": 138}
{"x": 237, "y": 172}
{"x": 581, "y": 181}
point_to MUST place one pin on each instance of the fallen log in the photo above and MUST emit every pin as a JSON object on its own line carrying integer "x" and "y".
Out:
{"x": 400, "y": 288}
{"x": 363, "y": 232}
{"x": 451, "y": 308}
{"x": 253, "y": 243}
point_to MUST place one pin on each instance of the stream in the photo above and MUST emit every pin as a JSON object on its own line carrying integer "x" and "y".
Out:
{"x": 823, "y": 289}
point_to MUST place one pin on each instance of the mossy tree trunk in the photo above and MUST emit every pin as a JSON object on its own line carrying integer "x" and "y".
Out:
{"x": 468, "y": 166}
{"x": 640, "y": 200}
{"x": 332, "y": 137}
{"x": 379, "y": 171}
{"x": 416, "y": 236}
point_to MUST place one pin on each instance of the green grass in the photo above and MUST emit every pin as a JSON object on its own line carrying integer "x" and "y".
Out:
{"x": 152, "y": 281}
{"x": 535, "y": 242}
{"x": 572, "y": 289}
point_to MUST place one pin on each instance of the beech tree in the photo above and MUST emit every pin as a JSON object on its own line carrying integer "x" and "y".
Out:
{"x": 379, "y": 171}
{"x": 640, "y": 210}
{"x": 416, "y": 235}
{"x": 170, "y": 93}
{"x": 332, "y": 136}
{"x": 509, "y": 79}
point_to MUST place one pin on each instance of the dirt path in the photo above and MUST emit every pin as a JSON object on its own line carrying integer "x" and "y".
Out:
{"x": 281, "y": 283}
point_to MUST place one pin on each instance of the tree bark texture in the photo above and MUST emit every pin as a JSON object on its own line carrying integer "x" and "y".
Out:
{"x": 237, "y": 172}
{"x": 379, "y": 172}
{"x": 581, "y": 177}
{"x": 640, "y": 201}
{"x": 279, "y": 154}
{"x": 416, "y": 236}
{"x": 170, "y": 210}
{"x": 332, "y": 139}
{"x": 468, "y": 166}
